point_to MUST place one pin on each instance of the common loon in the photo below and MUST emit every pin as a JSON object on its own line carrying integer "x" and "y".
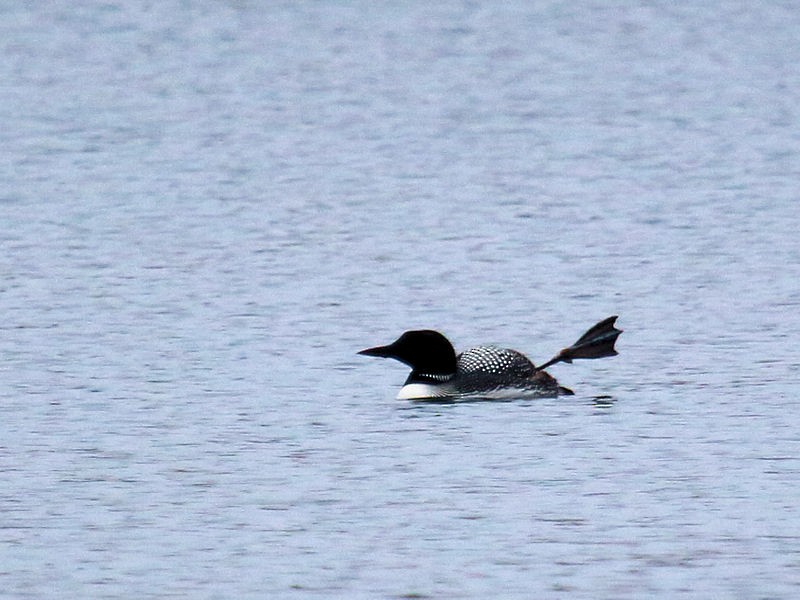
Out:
{"x": 485, "y": 371}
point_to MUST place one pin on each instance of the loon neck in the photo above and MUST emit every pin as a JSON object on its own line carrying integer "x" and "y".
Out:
{"x": 430, "y": 378}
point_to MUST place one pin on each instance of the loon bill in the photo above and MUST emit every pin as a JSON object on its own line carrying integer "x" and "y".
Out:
{"x": 437, "y": 372}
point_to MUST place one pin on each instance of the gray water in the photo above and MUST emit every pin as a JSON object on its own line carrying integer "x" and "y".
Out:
{"x": 209, "y": 207}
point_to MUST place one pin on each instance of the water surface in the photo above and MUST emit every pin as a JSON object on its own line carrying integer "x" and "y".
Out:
{"x": 209, "y": 208}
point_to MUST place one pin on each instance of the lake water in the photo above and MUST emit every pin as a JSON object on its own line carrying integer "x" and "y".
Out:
{"x": 207, "y": 209}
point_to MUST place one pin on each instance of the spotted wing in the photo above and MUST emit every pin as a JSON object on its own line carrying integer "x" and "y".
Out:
{"x": 491, "y": 370}
{"x": 490, "y": 361}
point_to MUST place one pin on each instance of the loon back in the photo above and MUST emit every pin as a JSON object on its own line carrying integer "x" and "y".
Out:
{"x": 502, "y": 372}
{"x": 491, "y": 360}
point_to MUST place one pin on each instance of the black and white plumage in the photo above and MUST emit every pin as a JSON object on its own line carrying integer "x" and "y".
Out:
{"x": 492, "y": 369}
{"x": 484, "y": 371}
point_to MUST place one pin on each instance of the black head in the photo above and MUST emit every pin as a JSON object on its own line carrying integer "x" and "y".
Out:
{"x": 427, "y": 352}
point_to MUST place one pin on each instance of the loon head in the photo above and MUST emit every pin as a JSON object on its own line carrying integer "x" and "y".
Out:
{"x": 429, "y": 354}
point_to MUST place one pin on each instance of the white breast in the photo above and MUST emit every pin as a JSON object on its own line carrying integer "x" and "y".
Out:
{"x": 418, "y": 391}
